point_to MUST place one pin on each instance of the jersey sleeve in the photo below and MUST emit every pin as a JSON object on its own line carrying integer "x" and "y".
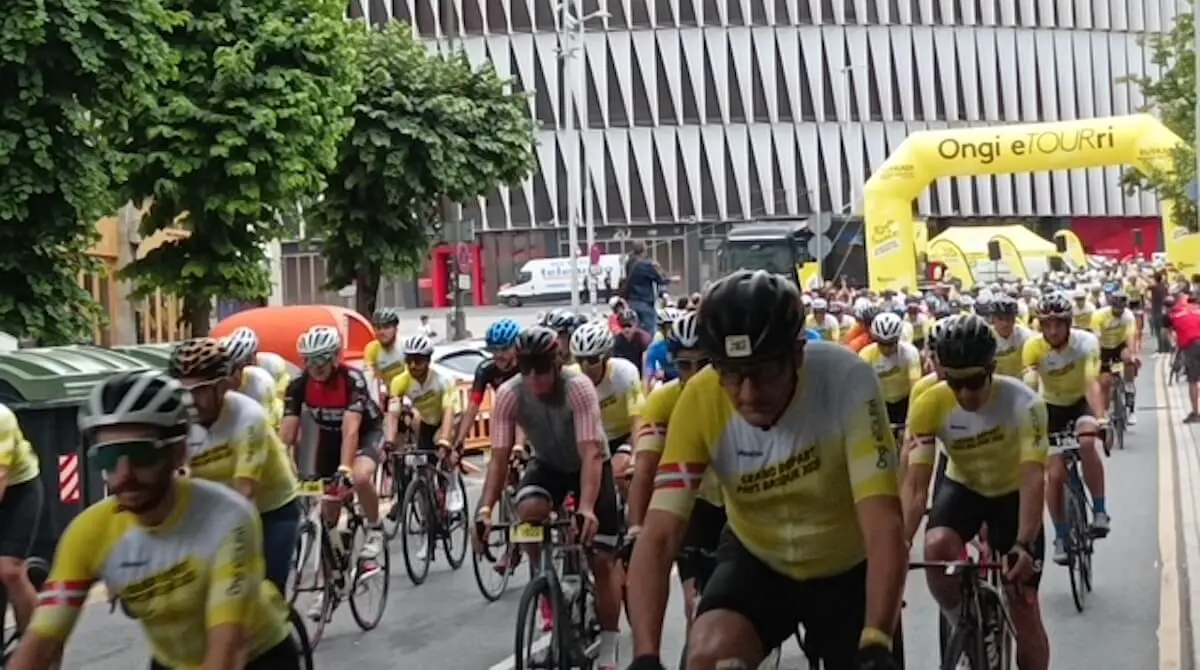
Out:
{"x": 635, "y": 397}
{"x": 399, "y": 385}
{"x": 1031, "y": 354}
{"x": 449, "y": 395}
{"x": 1129, "y": 333}
{"x": 237, "y": 574}
{"x": 871, "y": 456}
{"x": 293, "y": 397}
{"x": 686, "y": 450}
{"x": 651, "y": 432}
{"x": 253, "y": 448}
{"x": 479, "y": 384}
{"x": 10, "y": 439}
{"x": 1091, "y": 359}
{"x": 504, "y": 416}
{"x": 1035, "y": 442}
{"x": 924, "y": 420}
{"x": 371, "y": 354}
{"x": 72, "y": 575}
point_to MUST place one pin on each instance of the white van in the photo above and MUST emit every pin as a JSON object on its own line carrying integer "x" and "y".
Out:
{"x": 545, "y": 279}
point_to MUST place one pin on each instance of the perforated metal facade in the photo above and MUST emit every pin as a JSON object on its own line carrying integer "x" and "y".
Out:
{"x": 716, "y": 110}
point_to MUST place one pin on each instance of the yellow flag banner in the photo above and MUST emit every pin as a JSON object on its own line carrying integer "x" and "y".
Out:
{"x": 1011, "y": 256}
{"x": 1074, "y": 247}
{"x": 952, "y": 257}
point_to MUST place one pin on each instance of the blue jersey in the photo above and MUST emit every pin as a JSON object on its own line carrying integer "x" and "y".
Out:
{"x": 658, "y": 363}
{"x": 812, "y": 334}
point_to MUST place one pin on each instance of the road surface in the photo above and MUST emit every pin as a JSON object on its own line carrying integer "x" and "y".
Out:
{"x": 446, "y": 623}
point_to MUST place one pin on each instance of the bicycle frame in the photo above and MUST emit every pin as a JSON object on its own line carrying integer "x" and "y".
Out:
{"x": 976, "y": 580}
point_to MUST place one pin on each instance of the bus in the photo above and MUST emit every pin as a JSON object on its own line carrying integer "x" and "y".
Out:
{"x": 787, "y": 246}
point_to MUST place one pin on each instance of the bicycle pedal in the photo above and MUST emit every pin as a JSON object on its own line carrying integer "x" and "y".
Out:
{"x": 1099, "y": 533}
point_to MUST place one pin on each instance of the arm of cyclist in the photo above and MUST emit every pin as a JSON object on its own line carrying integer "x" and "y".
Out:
{"x": 253, "y": 450}
{"x": 445, "y": 433}
{"x": 649, "y": 437}
{"x": 474, "y": 400}
{"x": 1035, "y": 447}
{"x": 235, "y": 587}
{"x": 923, "y": 420}
{"x": 872, "y": 461}
{"x": 1091, "y": 379}
{"x": 589, "y": 440}
{"x": 504, "y": 424}
{"x": 352, "y": 418}
{"x": 676, "y": 483}
{"x": 9, "y": 445}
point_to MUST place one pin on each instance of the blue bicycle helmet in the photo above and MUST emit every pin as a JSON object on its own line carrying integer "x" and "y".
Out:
{"x": 502, "y": 334}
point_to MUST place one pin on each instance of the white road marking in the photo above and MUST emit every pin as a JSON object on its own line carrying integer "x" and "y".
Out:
{"x": 1170, "y": 643}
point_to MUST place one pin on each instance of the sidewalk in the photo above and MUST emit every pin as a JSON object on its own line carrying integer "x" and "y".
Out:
{"x": 1179, "y": 481}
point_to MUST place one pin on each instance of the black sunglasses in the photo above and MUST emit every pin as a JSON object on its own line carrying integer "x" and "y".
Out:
{"x": 539, "y": 366}
{"x": 689, "y": 364}
{"x": 972, "y": 383}
{"x": 589, "y": 360}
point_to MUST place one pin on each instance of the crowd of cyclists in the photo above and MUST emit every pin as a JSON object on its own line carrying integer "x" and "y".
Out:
{"x": 782, "y": 448}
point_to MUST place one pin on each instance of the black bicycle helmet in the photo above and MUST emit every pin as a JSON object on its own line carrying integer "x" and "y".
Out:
{"x": 866, "y": 315}
{"x": 560, "y": 320}
{"x": 537, "y": 341}
{"x": 966, "y": 342}
{"x": 1118, "y": 299}
{"x": 1003, "y": 305}
{"x": 201, "y": 357}
{"x": 1057, "y": 305}
{"x": 749, "y": 316}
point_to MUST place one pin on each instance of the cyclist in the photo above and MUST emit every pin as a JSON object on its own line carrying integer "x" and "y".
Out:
{"x": 1116, "y": 328}
{"x": 183, "y": 555}
{"x": 433, "y": 395}
{"x": 248, "y": 378}
{"x": 896, "y": 363}
{"x": 993, "y": 429}
{"x": 1011, "y": 337}
{"x": 382, "y": 357}
{"x": 500, "y": 340}
{"x": 278, "y": 369}
{"x": 797, "y": 435}
{"x": 563, "y": 322}
{"x": 619, "y": 390}
{"x": 348, "y": 427}
{"x": 570, "y": 455}
{"x": 916, "y": 322}
{"x": 708, "y": 515}
{"x": 1084, "y": 309}
{"x": 658, "y": 365}
{"x": 21, "y": 502}
{"x": 823, "y": 321}
{"x": 1065, "y": 363}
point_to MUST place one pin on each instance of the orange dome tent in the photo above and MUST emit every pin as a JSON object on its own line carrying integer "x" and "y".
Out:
{"x": 278, "y": 328}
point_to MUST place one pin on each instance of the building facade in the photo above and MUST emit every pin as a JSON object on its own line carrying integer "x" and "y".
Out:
{"x": 699, "y": 113}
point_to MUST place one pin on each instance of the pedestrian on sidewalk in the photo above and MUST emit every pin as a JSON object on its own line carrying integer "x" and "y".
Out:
{"x": 1185, "y": 322}
{"x": 1158, "y": 294}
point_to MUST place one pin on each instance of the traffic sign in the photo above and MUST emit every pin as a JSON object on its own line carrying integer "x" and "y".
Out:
{"x": 594, "y": 255}
{"x": 819, "y": 246}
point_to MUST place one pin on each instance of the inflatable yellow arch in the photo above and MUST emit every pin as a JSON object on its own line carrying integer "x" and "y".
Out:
{"x": 1139, "y": 140}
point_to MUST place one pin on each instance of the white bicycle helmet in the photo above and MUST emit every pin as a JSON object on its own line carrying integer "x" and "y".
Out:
{"x": 684, "y": 331}
{"x": 591, "y": 340}
{"x": 820, "y": 305}
{"x": 146, "y": 397}
{"x": 417, "y": 345}
{"x": 666, "y": 316}
{"x": 887, "y": 327}
{"x": 319, "y": 341}
{"x": 242, "y": 345}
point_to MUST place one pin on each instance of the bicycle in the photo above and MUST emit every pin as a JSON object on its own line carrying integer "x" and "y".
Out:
{"x": 394, "y": 475}
{"x": 38, "y": 569}
{"x": 499, "y": 555}
{"x": 427, "y": 514}
{"x": 327, "y": 554}
{"x": 983, "y": 638}
{"x": 1080, "y": 536}
{"x": 570, "y": 590}
{"x": 1118, "y": 419}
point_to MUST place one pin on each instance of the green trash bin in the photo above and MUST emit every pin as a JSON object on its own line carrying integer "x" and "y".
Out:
{"x": 44, "y": 387}
{"x": 153, "y": 355}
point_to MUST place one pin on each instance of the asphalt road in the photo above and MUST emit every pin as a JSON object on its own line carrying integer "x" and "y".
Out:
{"x": 445, "y": 623}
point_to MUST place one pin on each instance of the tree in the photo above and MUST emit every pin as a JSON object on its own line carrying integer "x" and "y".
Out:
{"x": 1172, "y": 97}
{"x": 68, "y": 72}
{"x": 250, "y": 126}
{"x": 426, "y": 128}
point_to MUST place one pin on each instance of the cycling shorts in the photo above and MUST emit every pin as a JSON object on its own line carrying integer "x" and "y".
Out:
{"x": 20, "y": 516}
{"x": 329, "y": 459}
{"x": 832, "y": 608}
{"x": 702, "y": 538}
{"x": 1108, "y": 356}
{"x": 283, "y": 656}
{"x": 965, "y": 512}
{"x": 543, "y": 481}
{"x": 1061, "y": 418}
{"x": 897, "y": 412}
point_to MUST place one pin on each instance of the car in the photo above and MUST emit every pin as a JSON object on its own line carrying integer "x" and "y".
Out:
{"x": 460, "y": 359}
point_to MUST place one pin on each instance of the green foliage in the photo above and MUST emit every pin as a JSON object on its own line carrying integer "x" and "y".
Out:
{"x": 68, "y": 70}
{"x": 426, "y": 128}
{"x": 249, "y": 127}
{"x": 1172, "y": 98}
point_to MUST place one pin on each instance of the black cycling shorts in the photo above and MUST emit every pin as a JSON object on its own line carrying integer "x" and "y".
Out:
{"x": 620, "y": 445}
{"x": 897, "y": 412}
{"x": 1136, "y": 305}
{"x": 541, "y": 480}
{"x": 1108, "y": 356}
{"x": 329, "y": 457}
{"x": 20, "y": 515}
{"x": 964, "y": 511}
{"x": 1191, "y": 362}
{"x": 703, "y": 537}
{"x": 283, "y": 656}
{"x": 1062, "y": 418}
{"x": 832, "y": 609}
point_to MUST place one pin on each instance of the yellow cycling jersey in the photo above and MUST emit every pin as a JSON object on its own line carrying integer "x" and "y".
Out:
{"x": 241, "y": 445}
{"x": 18, "y": 461}
{"x": 431, "y": 397}
{"x": 652, "y": 432}
{"x": 987, "y": 448}
{"x": 898, "y": 372}
{"x": 200, "y": 569}
{"x": 1064, "y": 374}
{"x": 621, "y": 397}
{"x": 259, "y": 385}
{"x": 790, "y": 490}
{"x": 919, "y": 328}
{"x": 387, "y": 362}
{"x": 921, "y": 386}
{"x": 1010, "y": 351}
{"x": 1082, "y": 318}
{"x": 827, "y": 325}
{"x": 1113, "y": 330}
{"x": 278, "y": 369}
{"x": 1134, "y": 289}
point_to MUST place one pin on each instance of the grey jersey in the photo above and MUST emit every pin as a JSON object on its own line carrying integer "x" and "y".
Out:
{"x": 549, "y": 422}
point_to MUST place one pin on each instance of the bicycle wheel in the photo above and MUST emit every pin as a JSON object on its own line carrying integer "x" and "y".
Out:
{"x": 418, "y": 516}
{"x": 495, "y": 564}
{"x": 393, "y": 472}
{"x": 456, "y": 523}
{"x": 530, "y": 651}
{"x": 371, "y": 576}
{"x": 300, "y": 636}
{"x": 963, "y": 647}
{"x": 1077, "y": 533}
{"x": 304, "y": 558}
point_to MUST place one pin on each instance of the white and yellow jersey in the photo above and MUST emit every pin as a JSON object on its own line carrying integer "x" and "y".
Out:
{"x": 621, "y": 397}
{"x": 1009, "y": 351}
{"x": 432, "y": 397}
{"x": 898, "y": 372}
{"x": 17, "y": 460}
{"x": 1112, "y": 330}
{"x": 651, "y": 434}
{"x": 259, "y": 385}
{"x": 1064, "y": 374}
{"x": 387, "y": 362}
{"x": 278, "y": 368}
{"x": 1082, "y": 318}
{"x": 827, "y": 325}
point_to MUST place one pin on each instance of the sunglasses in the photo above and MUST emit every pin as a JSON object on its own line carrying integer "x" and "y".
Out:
{"x": 141, "y": 453}
{"x": 589, "y": 360}
{"x": 539, "y": 366}
{"x": 417, "y": 360}
{"x": 318, "y": 360}
{"x": 758, "y": 374}
{"x": 689, "y": 364}
{"x": 971, "y": 383}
